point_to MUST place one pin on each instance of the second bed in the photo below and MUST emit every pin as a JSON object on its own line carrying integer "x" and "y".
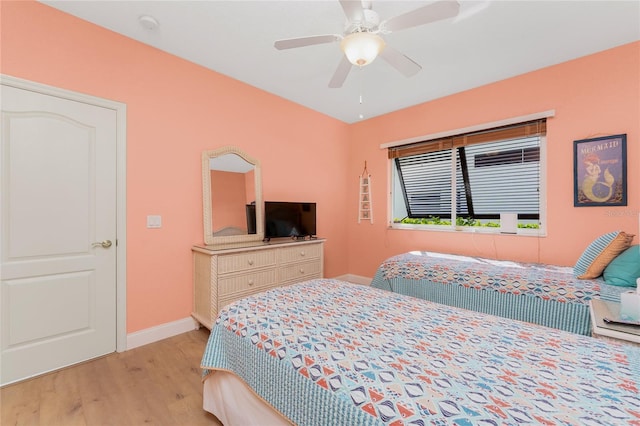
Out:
{"x": 542, "y": 294}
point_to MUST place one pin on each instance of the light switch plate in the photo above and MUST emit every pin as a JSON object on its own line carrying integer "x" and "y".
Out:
{"x": 154, "y": 221}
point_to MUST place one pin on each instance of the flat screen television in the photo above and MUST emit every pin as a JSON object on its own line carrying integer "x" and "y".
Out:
{"x": 289, "y": 219}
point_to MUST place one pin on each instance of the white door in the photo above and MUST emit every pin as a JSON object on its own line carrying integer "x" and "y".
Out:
{"x": 58, "y": 204}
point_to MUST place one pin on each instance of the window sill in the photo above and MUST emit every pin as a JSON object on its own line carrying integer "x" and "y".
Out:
{"x": 522, "y": 232}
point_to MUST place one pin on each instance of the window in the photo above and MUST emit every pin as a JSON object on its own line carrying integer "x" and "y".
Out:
{"x": 470, "y": 179}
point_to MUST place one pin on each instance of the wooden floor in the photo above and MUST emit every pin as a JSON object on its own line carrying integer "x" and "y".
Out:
{"x": 154, "y": 384}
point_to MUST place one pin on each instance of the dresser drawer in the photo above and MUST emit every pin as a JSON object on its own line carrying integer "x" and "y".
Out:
{"x": 247, "y": 283}
{"x": 246, "y": 261}
{"x": 301, "y": 271}
{"x": 299, "y": 253}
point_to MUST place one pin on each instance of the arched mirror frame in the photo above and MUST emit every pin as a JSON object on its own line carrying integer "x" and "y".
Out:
{"x": 209, "y": 238}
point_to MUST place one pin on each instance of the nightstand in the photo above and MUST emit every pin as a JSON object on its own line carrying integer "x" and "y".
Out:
{"x": 600, "y": 309}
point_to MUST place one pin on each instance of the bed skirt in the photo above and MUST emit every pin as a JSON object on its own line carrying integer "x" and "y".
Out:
{"x": 572, "y": 317}
{"x": 227, "y": 397}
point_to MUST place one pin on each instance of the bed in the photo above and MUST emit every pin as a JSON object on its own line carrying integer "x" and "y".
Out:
{"x": 326, "y": 352}
{"x": 542, "y": 294}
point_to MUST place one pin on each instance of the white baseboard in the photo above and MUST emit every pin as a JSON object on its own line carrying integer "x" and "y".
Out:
{"x": 163, "y": 331}
{"x": 355, "y": 279}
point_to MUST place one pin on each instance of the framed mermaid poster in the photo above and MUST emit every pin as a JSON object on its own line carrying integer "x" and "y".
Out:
{"x": 600, "y": 171}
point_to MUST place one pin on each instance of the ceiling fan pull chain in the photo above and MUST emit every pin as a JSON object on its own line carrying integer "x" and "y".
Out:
{"x": 360, "y": 78}
{"x": 361, "y": 115}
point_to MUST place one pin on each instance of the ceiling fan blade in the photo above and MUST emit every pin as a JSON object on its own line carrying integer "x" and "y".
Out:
{"x": 353, "y": 10}
{"x": 341, "y": 73}
{"x": 291, "y": 43}
{"x": 399, "y": 61}
{"x": 423, "y": 15}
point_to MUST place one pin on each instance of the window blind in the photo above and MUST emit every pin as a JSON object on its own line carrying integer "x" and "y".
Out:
{"x": 515, "y": 131}
{"x": 427, "y": 183}
{"x": 491, "y": 178}
{"x": 504, "y": 177}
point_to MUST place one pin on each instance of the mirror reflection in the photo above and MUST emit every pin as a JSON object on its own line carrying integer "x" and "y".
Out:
{"x": 233, "y": 193}
{"x": 233, "y": 197}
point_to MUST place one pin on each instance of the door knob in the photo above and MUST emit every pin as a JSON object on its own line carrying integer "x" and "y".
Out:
{"x": 104, "y": 244}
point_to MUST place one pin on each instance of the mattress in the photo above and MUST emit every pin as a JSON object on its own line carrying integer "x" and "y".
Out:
{"x": 326, "y": 352}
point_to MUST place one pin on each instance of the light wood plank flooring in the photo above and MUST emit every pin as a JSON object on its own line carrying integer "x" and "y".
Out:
{"x": 156, "y": 384}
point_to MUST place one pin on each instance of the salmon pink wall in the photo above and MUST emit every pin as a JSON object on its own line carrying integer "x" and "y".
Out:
{"x": 593, "y": 96}
{"x": 176, "y": 110}
{"x": 250, "y": 187}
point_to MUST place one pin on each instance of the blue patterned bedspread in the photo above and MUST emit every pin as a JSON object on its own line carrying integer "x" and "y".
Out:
{"x": 325, "y": 352}
{"x": 547, "y": 282}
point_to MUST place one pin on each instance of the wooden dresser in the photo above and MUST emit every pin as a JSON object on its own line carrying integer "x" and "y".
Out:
{"x": 228, "y": 272}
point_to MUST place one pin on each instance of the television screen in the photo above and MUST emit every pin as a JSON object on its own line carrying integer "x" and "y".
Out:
{"x": 289, "y": 219}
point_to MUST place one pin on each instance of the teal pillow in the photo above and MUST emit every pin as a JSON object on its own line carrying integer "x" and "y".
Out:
{"x": 624, "y": 270}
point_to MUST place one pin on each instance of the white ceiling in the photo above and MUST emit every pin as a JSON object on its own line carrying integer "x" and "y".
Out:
{"x": 487, "y": 42}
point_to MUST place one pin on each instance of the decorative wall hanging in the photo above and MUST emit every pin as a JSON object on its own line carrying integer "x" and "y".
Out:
{"x": 600, "y": 171}
{"x": 365, "y": 209}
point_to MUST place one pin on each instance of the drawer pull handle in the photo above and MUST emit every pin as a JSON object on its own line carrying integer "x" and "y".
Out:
{"x": 301, "y": 271}
{"x": 250, "y": 282}
{"x": 251, "y": 262}
{"x": 302, "y": 253}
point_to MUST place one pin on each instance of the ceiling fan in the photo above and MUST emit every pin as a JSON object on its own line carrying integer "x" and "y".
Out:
{"x": 362, "y": 41}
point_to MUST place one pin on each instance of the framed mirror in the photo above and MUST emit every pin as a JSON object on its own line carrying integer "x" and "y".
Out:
{"x": 232, "y": 197}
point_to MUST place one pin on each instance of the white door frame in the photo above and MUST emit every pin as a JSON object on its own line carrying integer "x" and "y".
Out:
{"x": 121, "y": 188}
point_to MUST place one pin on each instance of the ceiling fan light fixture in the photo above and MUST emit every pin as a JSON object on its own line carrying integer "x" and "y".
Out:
{"x": 362, "y": 48}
